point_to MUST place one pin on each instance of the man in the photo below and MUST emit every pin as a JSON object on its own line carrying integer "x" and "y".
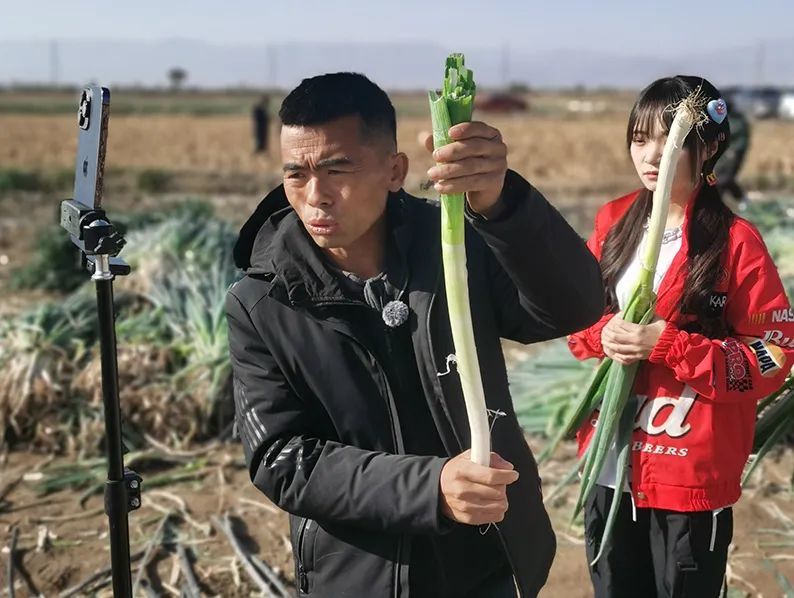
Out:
{"x": 349, "y": 419}
{"x": 260, "y": 116}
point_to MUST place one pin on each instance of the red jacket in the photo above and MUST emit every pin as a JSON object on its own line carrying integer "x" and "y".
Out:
{"x": 694, "y": 431}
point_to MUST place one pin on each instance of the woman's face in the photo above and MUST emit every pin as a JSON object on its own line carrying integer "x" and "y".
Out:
{"x": 646, "y": 153}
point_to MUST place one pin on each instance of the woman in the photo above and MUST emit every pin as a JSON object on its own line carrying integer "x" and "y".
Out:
{"x": 722, "y": 339}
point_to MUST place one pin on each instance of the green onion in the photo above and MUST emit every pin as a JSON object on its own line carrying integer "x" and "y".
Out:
{"x": 581, "y": 409}
{"x": 455, "y": 105}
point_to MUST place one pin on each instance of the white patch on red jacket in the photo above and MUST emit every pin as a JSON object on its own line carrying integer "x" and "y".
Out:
{"x": 677, "y": 409}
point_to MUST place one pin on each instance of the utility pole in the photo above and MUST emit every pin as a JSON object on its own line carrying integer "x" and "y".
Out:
{"x": 505, "y": 65}
{"x": 760, "y": 79}
{"x": 54, "y": 63}
{"x": 272, "y": 58}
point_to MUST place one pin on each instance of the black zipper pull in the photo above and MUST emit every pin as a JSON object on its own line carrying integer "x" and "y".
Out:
{"x": 303, "y": 580}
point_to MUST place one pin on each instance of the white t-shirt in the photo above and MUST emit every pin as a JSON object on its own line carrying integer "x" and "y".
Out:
{"x": 623, "y": 289}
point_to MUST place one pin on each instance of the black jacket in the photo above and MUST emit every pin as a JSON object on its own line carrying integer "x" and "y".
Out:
{"x": 315, "y": 411}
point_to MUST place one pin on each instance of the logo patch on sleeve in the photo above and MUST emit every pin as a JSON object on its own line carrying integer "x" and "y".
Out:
{"x": 737, "y": 367}
{"x": 771, "y": 358}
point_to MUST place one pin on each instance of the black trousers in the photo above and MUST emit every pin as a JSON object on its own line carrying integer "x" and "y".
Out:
{"x": 664, "y": 554}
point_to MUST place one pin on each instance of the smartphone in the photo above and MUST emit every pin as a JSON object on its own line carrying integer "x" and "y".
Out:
{"x": 92, "y": 125}
{"x": 92, "y": 121}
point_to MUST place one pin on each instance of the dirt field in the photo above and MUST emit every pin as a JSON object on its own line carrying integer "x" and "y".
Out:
{"x": 78, "y": 546}
{"x": 580, "y": 161}
{"x": 565, "y": 152}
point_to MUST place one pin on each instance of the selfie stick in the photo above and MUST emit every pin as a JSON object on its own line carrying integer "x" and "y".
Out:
{"x": 99, "y": 243}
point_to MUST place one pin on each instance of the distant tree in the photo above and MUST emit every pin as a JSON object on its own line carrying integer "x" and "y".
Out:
{"x": 177, "y": 77}
{"x": 518, "y": 87}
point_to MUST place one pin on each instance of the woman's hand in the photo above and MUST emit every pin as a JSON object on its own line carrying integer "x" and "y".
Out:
{"x": 627, "y": 343}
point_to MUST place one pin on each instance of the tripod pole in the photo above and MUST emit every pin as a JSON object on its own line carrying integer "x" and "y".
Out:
{"x": 116, "y": 497}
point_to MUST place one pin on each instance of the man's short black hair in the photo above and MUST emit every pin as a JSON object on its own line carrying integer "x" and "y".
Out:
{"x": 324, "y": 98}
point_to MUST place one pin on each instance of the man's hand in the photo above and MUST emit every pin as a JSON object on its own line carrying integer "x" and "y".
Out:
{"x": 474, "y": 494}
{"x": 474, "y": 163}
{"x": 627, "y": 343}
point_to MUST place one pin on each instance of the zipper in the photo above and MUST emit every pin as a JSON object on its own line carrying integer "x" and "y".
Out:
{"x": 437, "y": 385}
{"x": 393, "y": 423}
{"x": 396, "y": 444}
{"x": 381, "y": 374}
{"x": 303, "y": 578}
{"x": 509, "y": 559}
{"x": 397, "y": 566}
{"x": 434, "y": 377}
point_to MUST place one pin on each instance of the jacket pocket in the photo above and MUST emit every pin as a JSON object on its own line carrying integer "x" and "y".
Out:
{"x": 686, "y": 566}
{"x": 701, "y": 553}
{"x": 332, "y": 561}
{"x": 303, "y": 549}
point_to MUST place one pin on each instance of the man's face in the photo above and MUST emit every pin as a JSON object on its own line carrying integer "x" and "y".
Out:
{"x": 337, "y": 181}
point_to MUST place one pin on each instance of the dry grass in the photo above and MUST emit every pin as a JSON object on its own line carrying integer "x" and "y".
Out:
{"x": 54, "y": 405}
{"x": 562, "y": 151}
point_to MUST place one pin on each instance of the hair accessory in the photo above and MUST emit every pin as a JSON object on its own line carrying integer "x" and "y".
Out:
{"x": 721, "y": 137}
{"x": 711, "y": 179}
{"x": 717, "y": 110}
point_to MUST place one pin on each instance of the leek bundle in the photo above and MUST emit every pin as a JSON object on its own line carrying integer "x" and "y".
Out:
{"x": 452, "y": 106}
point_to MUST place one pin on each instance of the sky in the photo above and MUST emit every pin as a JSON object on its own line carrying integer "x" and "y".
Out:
{"x": 615, "y": 26}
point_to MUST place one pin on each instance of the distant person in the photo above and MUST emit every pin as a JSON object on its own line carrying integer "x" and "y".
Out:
{"x": 261, "y": 118}
{"x": 718, "y": 343}
{"x": 729, "y": 165}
